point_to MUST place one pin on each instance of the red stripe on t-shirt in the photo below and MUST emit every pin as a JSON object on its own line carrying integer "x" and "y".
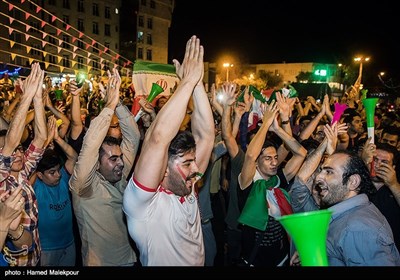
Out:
{"x": 143, "y": 187}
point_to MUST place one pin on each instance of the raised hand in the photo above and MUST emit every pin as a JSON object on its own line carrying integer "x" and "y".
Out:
{"x": 311, "y": 99}
{"x": 60, "y": 107}
{"x": 283, "y": 105}
{"x": 248, "y": 100}
{"x": 192, "y": 67}
{"x": 51, "y": 126}
{"x": 54, "y": 129}
{"x": 146, "y": 106}
{"x": 228, "y": 94}
{"x": 240, "y": 109}
{"x": 368, "y": 151}
{"x": 46, "y": 99}
{"x": 343, "y": 136}
{"x": 331, "y": 133}
{"x": 386, "y": 172}
{"x": 73, "y": 88}
{"x": 33, "y": 83}
{"x": 270, "y": 113}
{"x": 11, "y": 206}
{"x": 112, "y": 92}
{"x": 39, "y": 82}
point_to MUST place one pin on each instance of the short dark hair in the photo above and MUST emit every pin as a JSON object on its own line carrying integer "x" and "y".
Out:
{"x": 392, "y": 130}
{"x": 110, "y": 141}
{"x": 267, "y": 144}
{"x": 355, "y": 165}
{"x": 349, "y": 115}
{"x": 182, "y": 143}
{"x": 48, "y": 160}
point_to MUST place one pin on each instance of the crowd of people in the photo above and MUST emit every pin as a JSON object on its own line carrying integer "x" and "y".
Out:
{"x": 196, "y": 180}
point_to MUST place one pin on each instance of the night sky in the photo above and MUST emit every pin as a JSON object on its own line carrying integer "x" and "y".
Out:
{"x": 260, "y": 31}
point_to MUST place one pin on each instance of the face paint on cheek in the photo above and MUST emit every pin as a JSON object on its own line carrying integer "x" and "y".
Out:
{"x": 197, "y": 176}
{"x": 184, "y": 178}
{"x": 181, "y": 173}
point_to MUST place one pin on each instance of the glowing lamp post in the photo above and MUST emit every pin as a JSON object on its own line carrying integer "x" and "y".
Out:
{"x": 361, "y": 59}
{"x": 227, "y": 66}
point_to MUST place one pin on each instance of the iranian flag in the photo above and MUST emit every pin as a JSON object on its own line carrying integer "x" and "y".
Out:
{"x": 145, "y": 74}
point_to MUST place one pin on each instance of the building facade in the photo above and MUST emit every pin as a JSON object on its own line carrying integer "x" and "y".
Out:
{"x": 144, "y": 29}
{"x": 67, "y": 36}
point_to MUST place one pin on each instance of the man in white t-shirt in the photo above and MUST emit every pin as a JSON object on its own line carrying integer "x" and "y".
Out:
{"x": 160, "y": 201}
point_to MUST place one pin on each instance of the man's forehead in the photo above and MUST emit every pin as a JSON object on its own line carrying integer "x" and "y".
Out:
{"x": 187, "y": 156}
{"x": 112, "y": 150}
{"x": 335, "y": 160}
{"x": 114, "y": 119}
{"x": 268, "y": 152}
{"x": 384, "y": 154}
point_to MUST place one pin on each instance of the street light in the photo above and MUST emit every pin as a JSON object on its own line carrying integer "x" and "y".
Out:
{"x": 227, "y": 66}
{"x": 358, "y": 85}
{"x": 251, "y": 77}
{"x": 361, "y": 59}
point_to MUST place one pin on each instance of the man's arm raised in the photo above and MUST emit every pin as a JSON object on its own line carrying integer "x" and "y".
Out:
{"x": 40, "y": 123}
{"x": 202, "y": 127}
{"x": 16, "y": 128}
{"x": 151, "y": 165}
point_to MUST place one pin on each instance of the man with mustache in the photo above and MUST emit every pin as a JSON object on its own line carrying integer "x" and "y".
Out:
{"x": 358, "y": 234}
{"x": 160, "y": 201}
{"x": 98, "y": 182}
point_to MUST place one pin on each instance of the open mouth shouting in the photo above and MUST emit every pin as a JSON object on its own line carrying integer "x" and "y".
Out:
{"x": 321, "y": 188}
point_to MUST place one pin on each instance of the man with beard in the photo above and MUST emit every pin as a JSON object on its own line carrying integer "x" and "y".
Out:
{"x": 303, "y": 196}
{"x": 99, "y": 180}
{"x": 358, "y": 235}
{"x": 160, "y": 201}
{"x": 387, "y": 197}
